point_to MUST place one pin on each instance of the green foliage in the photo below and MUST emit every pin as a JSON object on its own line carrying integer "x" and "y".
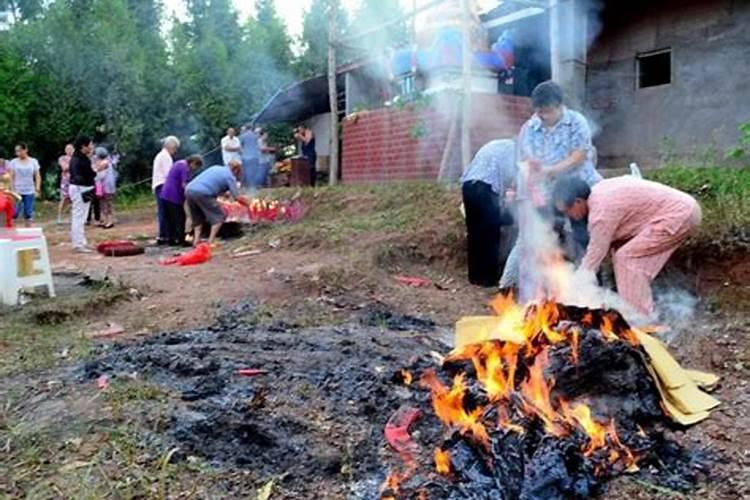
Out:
{"x": 314, "y": 41}
{"x": 103, "y": 68}
{"x": 16, "y": 96}
{"x": 373, "y": 13}
{"x": 724, "y": 195}
{"x": 743, "y": 149}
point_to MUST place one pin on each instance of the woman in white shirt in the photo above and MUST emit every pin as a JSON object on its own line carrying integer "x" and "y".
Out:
{"x": 162, "y": 164}
{"x": 26, "y": 180}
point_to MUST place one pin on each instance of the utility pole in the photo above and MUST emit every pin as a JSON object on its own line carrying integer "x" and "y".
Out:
{"x": 333, "y": 168}
{"x": 466, "y": 70}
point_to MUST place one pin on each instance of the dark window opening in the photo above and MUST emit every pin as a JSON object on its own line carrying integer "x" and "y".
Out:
{"x": 655, "y": 69}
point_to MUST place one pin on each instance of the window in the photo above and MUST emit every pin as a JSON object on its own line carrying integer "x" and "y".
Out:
{"x": 408, "y": 85}
{"x": 654, "y": 68}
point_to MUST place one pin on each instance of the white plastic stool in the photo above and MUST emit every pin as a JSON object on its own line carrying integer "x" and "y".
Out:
{"x": 10, "y": 282}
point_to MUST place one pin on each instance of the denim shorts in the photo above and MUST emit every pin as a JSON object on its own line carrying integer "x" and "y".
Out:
{"x": 26, "y": 205}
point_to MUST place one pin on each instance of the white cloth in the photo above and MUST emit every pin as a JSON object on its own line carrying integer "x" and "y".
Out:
{"x": 80, "y": 212}
{"x": 23, "y": 175}
{"x": 162, "y": 165}
{"x": 229, "y": 142}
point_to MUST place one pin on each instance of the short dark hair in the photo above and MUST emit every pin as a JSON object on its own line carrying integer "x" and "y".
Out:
{"x": 81, "y": 141}
{"x": 547, "y": 94}
{"x": 23, "y": 146}
{"x": 568, "y": 189}
{"x": 196, "y": 160}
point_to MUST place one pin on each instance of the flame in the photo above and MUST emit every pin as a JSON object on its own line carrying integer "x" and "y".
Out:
{"x": 449, "y": 407}
{"x": 523, "y": 336}
{"x": 536, "y": 396}
{"x": 407, "y": 377}
{"x": 574, "y": 345}
{"x": 495, "y": 364}
{"x": 442, "y": 461}
{"x": 581, "y": 415}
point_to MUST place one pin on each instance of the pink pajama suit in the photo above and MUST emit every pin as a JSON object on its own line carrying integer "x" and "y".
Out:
{"x": 644, "y": 222}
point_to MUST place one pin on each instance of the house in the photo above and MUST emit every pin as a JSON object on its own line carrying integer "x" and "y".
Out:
{"x": 656, "y": 79}
{"x": 668, "y": 78}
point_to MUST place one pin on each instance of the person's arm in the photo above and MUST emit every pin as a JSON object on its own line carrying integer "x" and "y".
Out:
{"x": 231, "y": 149}
{"x": 581, "y": 144}
{"x": 12, "y": 173}
{"x": 601, "y": 231}
{"x": 232, "y": 186}
{"x": 37, "y": 179}
{"x": 308, "y": 136}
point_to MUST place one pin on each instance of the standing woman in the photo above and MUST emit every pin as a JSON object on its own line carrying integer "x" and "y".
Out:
{"x": 25, "y": 180}
{"x": 162, "y": 164}
{"x": 267, "y": 156}
{"x": 64, "y": 163}
{"x": 106, "y": 184}
{"x": 173, "y": 194}
{"x": 82, "y": 178}
{"x": 306, "y": 137}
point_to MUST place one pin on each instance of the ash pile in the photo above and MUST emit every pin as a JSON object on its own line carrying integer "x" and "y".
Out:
{"x": 556, "y": 413}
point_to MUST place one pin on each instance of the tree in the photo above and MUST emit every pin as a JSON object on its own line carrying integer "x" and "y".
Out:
{"x": 268, "y": 32}
{"x": 22, "y": 10}
{"x": 373, "y": 13}
{"x": 314, "y": 58}
{"x": 16, "y": 96}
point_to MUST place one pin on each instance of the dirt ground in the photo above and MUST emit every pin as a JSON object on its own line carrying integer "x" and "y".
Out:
{"x": 64, "y": 438}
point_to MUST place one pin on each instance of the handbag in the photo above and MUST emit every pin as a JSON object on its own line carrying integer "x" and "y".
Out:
{"x": 88, "y": 196}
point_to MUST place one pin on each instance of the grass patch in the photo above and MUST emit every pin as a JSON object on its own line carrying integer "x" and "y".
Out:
{"x": 46, "y": 332}
{"x": 724, "y": 195}
{"x": 412, "y": 218}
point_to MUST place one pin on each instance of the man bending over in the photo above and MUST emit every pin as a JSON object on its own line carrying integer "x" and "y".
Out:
{"x": 642, "y": 221}
{"x": 202, "y": 193}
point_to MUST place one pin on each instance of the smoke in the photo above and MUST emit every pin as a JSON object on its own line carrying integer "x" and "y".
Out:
{"x": 676, "y": 308}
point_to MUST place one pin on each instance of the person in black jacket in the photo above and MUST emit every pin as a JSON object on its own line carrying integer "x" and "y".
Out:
{"x": 82, "y": 176}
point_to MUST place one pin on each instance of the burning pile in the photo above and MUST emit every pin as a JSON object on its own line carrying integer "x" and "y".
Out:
{"x": 263, "y": 210}
{"x": 559, "y": 401}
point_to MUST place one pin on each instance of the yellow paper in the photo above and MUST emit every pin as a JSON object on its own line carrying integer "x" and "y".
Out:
{"x": 475, "y": 329}
{"x": 704, "y": 380}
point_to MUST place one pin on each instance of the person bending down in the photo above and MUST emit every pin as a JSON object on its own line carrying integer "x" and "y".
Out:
{"x": 483, "y": 187}
{"x": 643, "y": 221}
{"x": 202, "y": 192}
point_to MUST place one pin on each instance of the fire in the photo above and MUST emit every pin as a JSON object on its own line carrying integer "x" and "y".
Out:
{"x": 521, "y": 344}
{"x": 536, "y": 396}
{"x": 449, "y": 406}
{"x": 495, "y": 364}
{"x": 581, "y": 415}
{"x": 442, "y": 461}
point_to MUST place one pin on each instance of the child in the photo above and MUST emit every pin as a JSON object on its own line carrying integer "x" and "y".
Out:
{"x": 106, "y": 183}
{"x": 8, "y": 198}
{"x": 64, "y": 163}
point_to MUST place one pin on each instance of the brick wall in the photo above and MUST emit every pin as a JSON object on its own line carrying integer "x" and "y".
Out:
{"x": 407, "y": 144}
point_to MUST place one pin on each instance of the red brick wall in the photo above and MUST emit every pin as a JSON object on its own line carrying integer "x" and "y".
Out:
{"x": 405, "y": 144}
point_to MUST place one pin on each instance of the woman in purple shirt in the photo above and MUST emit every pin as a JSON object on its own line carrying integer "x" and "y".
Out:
{"x": 173, "y": 196}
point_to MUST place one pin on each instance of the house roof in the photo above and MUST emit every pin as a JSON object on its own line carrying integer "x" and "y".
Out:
{"x": 296, "y": 102}
{"x": 304, "y": 99}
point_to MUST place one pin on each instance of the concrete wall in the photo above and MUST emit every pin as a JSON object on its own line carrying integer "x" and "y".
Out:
{"x": 386, "y": 145}
{"x": 710, "y": 91}
{"x": 321, "y": 127}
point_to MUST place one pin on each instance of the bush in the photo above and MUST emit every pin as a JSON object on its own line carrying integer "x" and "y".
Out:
{"x": 724, "y": 195}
